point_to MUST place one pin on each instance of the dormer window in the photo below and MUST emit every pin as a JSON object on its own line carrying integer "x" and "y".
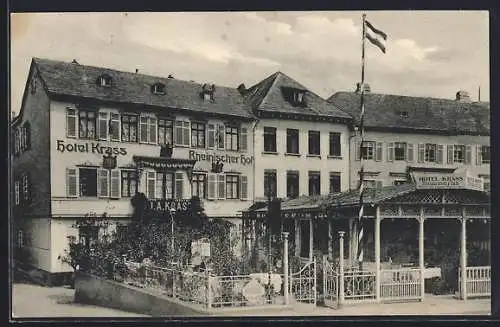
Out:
{"x": 104, "y": 80}
{"x": 298, "y": 97}
{"x": 207, "y": 92}
{"x": 294, "y": 96}
{"x": 158, "y": 88}
{"x": 403, "y": 113}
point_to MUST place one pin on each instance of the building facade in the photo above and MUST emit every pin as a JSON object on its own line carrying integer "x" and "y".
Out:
{"x": 168, "y": 139}
{"x": 409, "y": 134}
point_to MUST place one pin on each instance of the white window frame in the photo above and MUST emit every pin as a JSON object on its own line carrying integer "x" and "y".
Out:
{"x": 369, "y": 145}
{"x": 17, "y": 192}
{"x": 72, "y": 113}
{"x": 243, "y": 187}
{"x": 238, "y": 186}
{"x": 102, "y": 117}
{"x": 457, "y": 149}
{"x": 150, "y": 123}
{"x": 426, "y": 156}
{"x": 70, "y": 175}
{"x": 221, "y": 186}
{"x": 243, "y": 139}
{"x": 103, "y": 175}
{"x": 212, "y": 186}
{"x": 405, "y": 151}
{"x": 115, "y": 176}
{"x": 185, "y": 128}
{"x": 115, "y": 118}
{"x": 178, "y": 191}
{"x": 485, "y": 162}
{"x": 150, "y": 183}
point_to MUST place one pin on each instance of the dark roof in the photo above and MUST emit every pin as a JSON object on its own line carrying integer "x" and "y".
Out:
{"x": 71, "y": 79}
{"x": 268, "y": 96}
{"x": 429, "y": 114}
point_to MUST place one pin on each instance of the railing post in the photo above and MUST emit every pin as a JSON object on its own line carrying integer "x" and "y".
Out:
{"x": 285, "y": 267}
{"x": 463, "y": 257}
{"x": 341, "y": 268}
{"x": 209, "y": 288}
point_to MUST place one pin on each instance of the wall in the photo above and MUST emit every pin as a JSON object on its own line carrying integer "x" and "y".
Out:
{"x": 282, "y": 163}
{"x": 386, "y": 167}
{"x": 97, "y": 291}
{"x": 37, "y": 240}
{"x": 71, "y": 207}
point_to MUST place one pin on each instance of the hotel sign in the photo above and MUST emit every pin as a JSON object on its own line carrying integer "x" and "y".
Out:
{"x": 221, "y": 157}
{"x": 163, "y": 163}
{"x": 448, "y": 181}
{"x": 89, "y": 147}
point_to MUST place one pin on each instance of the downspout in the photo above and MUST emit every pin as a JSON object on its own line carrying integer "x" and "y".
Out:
{"x": 255, "y": 158}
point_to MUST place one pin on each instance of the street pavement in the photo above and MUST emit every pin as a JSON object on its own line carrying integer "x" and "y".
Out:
{"x": 30, "y": 300}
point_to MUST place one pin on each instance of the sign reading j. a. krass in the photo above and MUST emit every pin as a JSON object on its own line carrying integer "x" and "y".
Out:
{"x": 448, "y": 181}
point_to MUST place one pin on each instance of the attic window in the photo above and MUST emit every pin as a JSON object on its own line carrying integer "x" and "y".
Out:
{"x": 298, "y": 97}
{"x": 104, "y": 80}
{"x": 403, "y": 113}
{"x": 158, "y": 88}
{"x": 293, "y": 95}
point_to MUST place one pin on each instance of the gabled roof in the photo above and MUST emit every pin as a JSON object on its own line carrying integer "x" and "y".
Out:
{"x": 268, "y": 96}
{"x": 76, "y": 80}
{"x": 425, "y": 114}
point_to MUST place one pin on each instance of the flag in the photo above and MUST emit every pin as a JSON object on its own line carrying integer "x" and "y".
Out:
{"x": 375, "y": 36}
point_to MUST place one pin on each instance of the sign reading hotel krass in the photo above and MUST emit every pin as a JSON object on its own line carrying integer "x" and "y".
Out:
{"x": 89, "y": 147}
{"x": 448, "y": 181}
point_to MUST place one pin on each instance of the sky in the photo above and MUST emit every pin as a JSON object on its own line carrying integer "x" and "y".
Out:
{"x": 429, "y": 53}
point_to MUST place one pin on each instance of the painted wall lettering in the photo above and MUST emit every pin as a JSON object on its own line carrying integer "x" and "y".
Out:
{"x": 89, "y": 147}
{"x": 226, "y": 158}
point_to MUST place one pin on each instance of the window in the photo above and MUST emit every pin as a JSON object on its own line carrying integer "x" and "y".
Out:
{"x": 399, "y": 151}
{"x": 25, "y": 134}
{"x": 400, "y": 182}
{"x": 72, "y": 182}
{"x": 485, "y": 154}
{"x": 181, "y": 133}
{"x": 459, "y": 153}
{"x": 115, "y": 184}
{"x": 17, "y": 192}
{"x": 270, "y": 184}
{"x": 17, "y": 138}
{"x": 232, "y": 187}
{"x": 20, "y": 243}
{"x": 129, "y": 183}
{"x": 88, "y": 181}
{"x": 430, "y": 153}
{"x": 165, "y": 131}
{"x": 105, "y": 80}
{"x": 243, "y": 187}
{"x": 292, "y": 184}
{"x": 148, "y": 130}
{"x": 103, "y": 186}
{"x": 221, "y": 186}
{"x": 164, "y": 185}
{"x": 179, "y": 185}
{"x": 314, "y": 143}
{"x": 197, "y": 135}
{"x": 335, "y": 148}
{"x": 335, "y": 182}
{"x": 158, "y": 88}
{"x": 298, "y": 97}
{"x": 199, "y": 185}
{"x": 220, "y": 136}
{"x": 368, "y": 150}
{"x": 26, "y": 188}
{"x": 88, "y": 235}
{"x": 314, "y": 183}
{"x": 129, "y": 128}
{"x": 243, "y": 139}
{"x": 114, "y": 127}
{"x": 70, "y": 122}
{"x": 150, "y": 184}
{"x": 232, "y": 138}
{"x": 212, "y": 186}
{"x": 269, "y": 139}
{"x": 292, "y": 140}
{"x": 102, "y": 126}
{"x": 211, "y": 136}
{"x": 87, "y": 124}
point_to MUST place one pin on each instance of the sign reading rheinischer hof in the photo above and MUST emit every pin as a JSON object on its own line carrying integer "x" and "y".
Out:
{"x": 448, "y": 181}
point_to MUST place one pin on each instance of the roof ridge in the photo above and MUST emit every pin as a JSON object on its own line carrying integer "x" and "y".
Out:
{"x": 36, "y": 59}
{"x": 275, "y": 79}
{"x": 403, "y": 96}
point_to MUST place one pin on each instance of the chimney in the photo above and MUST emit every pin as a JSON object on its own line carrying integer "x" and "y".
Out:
{"x": 136, "y": 70}
{"x": 75, "y": 62}
{"x": 170, "y": 76}
{"x": 207, "y": 91}
{"x": 367, "y": 88}
{"x": 241, "y": 88}
{"x": 463, "y": 96}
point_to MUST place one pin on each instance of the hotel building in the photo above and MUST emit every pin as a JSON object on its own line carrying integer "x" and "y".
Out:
{"x": 166, "y": 138}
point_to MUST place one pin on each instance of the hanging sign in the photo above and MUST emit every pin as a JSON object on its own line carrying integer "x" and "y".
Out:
{"x": 163, "y": 163}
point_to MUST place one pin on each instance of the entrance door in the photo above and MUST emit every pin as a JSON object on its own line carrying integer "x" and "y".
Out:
{"x": 304, "y": 238}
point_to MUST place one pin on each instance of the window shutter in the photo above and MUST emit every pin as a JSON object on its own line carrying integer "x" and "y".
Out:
{"x": 179, "y": 185}
{"x": 27, "y": 129}
{"x": 152, "y": 130}
{"x": 421, "y": 152}
{"x": 17, "y": 192}
{"x": 390, "y": 151}
{"x": 440, "y": 154}
{"x": 114, "y": 127}
{"x": 243, "y": 187}
{"x": 212, "y": 186}
{"x": 102, "y": 126}
{"x": 178, "y": 132}
{"x": 72, "y": 182}
{"x": 478, "y": 155}
{"x": 115, "y": 183}
{"x": 71, "y": 122}
{"x": 468, "y": 154}
{"x": 211, "y": 136}
{"x": 186, "y": 133}
{"x": 151, "y": 184}
{"x": 27, "y": 195}
{"x": 450, "y": 154}
{"x": 143, "y": 130}
{"x": 378, "y": 156}
{"x": 358, "y": 150}
{"x": 221, "y": 186}
{"x": 409, "y": 155}
{"x": 102, "y": 183}
{"x": 243, "y": 139}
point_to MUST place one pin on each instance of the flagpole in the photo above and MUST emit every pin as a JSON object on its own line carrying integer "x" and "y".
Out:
{"x": 360, "y": 228}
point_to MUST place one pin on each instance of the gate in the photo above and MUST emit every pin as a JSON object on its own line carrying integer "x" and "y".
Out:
{"x": 330, "y": 284}
{"x": 302, "y": 284}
